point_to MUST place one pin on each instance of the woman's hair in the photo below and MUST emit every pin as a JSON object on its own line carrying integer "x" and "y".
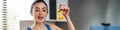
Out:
{"x": 37, "y": 1}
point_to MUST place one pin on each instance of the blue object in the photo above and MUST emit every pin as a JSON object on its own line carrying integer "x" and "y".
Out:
{"x": 29, "y": 28}
{"x": 100, "y": 27}
{"x": 48, "y": 27}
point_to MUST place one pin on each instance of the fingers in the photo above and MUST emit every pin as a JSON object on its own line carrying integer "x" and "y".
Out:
{"x": 63, "y": 6}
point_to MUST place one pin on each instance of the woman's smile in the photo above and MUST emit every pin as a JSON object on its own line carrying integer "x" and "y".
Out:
{"x": 40, "y": 17}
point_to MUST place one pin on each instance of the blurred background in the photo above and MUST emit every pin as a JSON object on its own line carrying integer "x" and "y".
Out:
{"x": 83, "y": 13}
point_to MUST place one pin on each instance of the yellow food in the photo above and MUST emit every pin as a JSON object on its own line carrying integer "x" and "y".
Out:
{"x": 60, "y": 16}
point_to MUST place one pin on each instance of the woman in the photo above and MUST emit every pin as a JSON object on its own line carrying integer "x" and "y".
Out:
{"x": 39, "y": 11}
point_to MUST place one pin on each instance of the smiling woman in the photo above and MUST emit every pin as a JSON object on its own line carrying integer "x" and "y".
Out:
{"x": 39, "y": 11}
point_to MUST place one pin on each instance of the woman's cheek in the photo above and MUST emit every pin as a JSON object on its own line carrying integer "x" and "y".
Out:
{"x": 35, "y": 15}
{"x": 46, "y": 14}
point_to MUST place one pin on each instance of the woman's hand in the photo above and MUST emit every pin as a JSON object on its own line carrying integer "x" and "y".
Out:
{"x": 65, "y": 9}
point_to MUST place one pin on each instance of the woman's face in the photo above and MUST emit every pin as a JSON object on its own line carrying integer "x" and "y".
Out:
{"x": 40, "y": 12}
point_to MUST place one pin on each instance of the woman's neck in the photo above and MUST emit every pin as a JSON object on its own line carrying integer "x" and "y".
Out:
{"x": 38, "y": 25}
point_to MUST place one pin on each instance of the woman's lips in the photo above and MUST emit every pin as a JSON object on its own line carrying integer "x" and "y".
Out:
{"x": 40, "y": 17}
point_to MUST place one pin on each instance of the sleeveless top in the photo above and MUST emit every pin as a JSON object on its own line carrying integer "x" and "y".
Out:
{"x": 48, "y": 27}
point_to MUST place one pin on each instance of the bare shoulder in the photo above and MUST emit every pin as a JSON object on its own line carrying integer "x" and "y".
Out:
{"x": 54, "y": 27}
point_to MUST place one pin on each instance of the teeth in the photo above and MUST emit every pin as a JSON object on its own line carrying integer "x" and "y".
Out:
{"x": 39, "y": 17}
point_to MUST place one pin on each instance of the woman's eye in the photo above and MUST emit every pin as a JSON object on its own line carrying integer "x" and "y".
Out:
{"x": 36, "y": 10}
{"x": 44, "y": 10}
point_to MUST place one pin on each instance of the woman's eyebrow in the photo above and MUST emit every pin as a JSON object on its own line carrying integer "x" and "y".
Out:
{"x": 44, "y": 8}
{"x": 36, "y": 7}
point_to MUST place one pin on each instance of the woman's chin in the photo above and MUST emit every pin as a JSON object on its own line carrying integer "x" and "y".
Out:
{"x": 41, "y": 21}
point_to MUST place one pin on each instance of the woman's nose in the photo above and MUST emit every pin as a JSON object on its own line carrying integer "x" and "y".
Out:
{"x": 40, "y": 12}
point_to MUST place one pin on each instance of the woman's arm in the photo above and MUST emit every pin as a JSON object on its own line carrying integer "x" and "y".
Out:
{"x": 69, "y": 23}
{"x": 66, "y": 10}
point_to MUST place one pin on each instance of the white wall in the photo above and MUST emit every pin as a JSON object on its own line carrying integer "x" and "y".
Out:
{"x": 17, "y": 10}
